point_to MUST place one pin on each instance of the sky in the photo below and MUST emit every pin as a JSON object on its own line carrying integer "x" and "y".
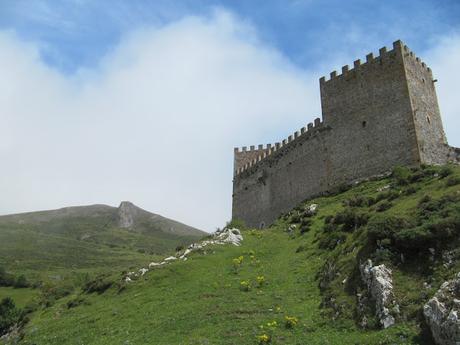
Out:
{"x": 110, "y": 100}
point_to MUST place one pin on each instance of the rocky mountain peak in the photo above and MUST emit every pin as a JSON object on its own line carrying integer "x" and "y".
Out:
{"x": 127, "y": 213}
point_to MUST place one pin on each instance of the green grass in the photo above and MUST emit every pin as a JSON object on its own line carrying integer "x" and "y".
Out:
{"x": 21, "y": 297}
{"x": 200, "y": 301}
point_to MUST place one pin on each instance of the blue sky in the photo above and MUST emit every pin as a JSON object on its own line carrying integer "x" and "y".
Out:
{"x": 76, "y": 33}
{"x": 104, "y": 101}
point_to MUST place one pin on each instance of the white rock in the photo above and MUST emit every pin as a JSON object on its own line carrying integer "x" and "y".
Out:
{"x": 380, "y": 286}
{"x": 170, "y": 258}
{"x": 143, "y": 271}
{"x": 154, "y": 264}
{"x": 128, "y": 280}
{"x": 381, "y": 189}
{"x": 442, "y": 313}
{"x": 232, "y": 236}
{"x": 311, "y": 209}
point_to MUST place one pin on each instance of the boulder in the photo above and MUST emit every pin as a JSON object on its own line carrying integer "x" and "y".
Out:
{"x": 379, "y": 282}
{"x": 311, "y": 210}
{"x": 442, "y": 313}
{"x": 231, "y": 236}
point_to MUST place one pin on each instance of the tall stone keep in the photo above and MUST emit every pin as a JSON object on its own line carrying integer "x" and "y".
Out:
{"x": 380, "y": 113}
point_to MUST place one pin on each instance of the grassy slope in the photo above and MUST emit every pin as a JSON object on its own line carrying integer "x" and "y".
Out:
{"x": 200, "y": 302}
{"x": 64, "y": 245}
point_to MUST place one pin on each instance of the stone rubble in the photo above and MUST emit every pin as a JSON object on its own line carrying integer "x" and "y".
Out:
{"x": 379, "y": 282}
{"x": 225, "y": 236}
{"x": 442, "y": 313}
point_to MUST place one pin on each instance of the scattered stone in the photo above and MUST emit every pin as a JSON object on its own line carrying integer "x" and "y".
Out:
{"x": 442, "y": 313}
{"x": 379, "y": 282}
{"x": 381, "y": 189}
{"x": 311, "y": 210}
{"x": 224, "y": 236}
{"x": 448, "y": 258}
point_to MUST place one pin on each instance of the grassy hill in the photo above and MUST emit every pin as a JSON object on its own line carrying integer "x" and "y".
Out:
{"x": 304, "y": 268}
{"x": 70, "y": 245}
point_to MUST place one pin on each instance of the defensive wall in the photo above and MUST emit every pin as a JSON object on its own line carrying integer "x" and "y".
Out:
{"x": 378, "y": 114}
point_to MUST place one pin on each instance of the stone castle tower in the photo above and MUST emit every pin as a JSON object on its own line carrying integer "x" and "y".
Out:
{"x": 380, "y": 113}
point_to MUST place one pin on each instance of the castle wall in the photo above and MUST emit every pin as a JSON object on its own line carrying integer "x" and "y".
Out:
{"x": 379, "y": 114}
{"x": 282, "y": 179}
{"x": 431, "y": 139}
{"x": 369, "y": 111}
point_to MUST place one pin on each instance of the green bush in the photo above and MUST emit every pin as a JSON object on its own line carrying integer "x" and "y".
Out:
{"x": 6, "y": 279}
{"x": 9, "y": 315}
{"x": 21, "y": 282}
{"x": 99, "y": 285}
{"x": 384, "y": 227}
{"x": 383, "y": 206}
{"x": 401, "y": 175}
{"x": 357, "y": 201}
{"x": 452, "y": 181}
{"x": 445, "y": 171}
{"x": 350, "y": 219}
{"x": 332, "y": 240}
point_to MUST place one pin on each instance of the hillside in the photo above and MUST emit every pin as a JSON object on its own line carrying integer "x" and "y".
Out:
{"x": 53, "y": 245}
{"x": 298, "y": 282}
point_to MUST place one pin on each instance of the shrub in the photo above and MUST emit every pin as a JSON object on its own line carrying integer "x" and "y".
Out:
{"x": 99, "y": 285}
{"x": 75, "y": 302}
{"x": 290, "y": 321}
{"x": 401, "y": 175}
{"x": 51, "y": 293}
{"x": 9, "y": 315}
{"x": 357, "y": 201}
{"x": 350, "y": 219}
{"x": 332, "y": 240}
{"x": 328, "y": 219}
{"x": 6, "y": 279}
{"x": 410, "y": 190}
{"x": 452, "y": 181}
{"x": 383, "y": 206}
{"x": 384, "y": 227}
{"x": 21, "y": 282}
{"x": 445, "y": 171}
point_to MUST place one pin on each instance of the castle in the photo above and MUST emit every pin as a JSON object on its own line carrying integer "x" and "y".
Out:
{"x": 377, "y": 115}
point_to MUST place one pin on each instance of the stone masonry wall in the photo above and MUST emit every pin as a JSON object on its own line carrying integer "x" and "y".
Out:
{"x": 431, "y": 140}
{"x": 375, "y": 116}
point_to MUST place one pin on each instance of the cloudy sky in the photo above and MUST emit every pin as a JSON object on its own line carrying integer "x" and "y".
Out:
{"x": 110, "y": 100}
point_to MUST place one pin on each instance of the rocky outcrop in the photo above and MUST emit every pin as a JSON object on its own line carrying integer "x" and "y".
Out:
{"x": 442, "y": 313}
{"x": 127, "y": 212}
{"x": 379, "y": 282}
{"x": 224, "y": 236}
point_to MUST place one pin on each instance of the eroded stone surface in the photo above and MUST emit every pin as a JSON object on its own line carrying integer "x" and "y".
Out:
{"x": 379, "y": 282}
{"x": 442, "y": 313}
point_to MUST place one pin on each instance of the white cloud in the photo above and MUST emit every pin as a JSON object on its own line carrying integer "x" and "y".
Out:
{"x": 444, "y": 59}
{"x": 155, "y": 123}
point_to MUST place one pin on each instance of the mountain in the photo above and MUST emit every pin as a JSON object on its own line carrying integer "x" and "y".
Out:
{"x": 316, "y": 276}
{"x": 87, "y": 238}
{"x": 126, "y": 216}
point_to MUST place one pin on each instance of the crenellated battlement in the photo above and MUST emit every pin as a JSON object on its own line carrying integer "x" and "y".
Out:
{"x": 384, "y": 55}
{"x": 262, "y": 152}
{"x": 376, "y": 114}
